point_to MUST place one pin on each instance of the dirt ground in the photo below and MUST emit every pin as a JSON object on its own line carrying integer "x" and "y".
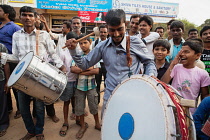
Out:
{"x": 17, "y": 129}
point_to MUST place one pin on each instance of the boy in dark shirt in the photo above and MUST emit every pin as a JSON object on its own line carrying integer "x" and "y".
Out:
{"x": 161, "y": 48}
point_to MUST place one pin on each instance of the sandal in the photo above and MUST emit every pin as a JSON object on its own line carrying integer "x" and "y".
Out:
{"x": 28, "y": 136}
{"x": 81, "y": 132}
{"x": 40, "y": 137}
{"x": 17, "y": 115}
{"x": 3, "y": 132}
{"x": 63, "y": 131}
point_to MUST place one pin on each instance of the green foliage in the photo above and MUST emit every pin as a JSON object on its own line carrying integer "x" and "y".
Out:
{"x": 206, "y": 22}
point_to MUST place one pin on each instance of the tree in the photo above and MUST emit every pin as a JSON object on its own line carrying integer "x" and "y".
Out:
{"x": 206, "y": 22}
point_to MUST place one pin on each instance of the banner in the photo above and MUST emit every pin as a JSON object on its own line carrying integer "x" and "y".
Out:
{"x": 93, "y": 17}
{"x": 22, "y": 1}
{"x": 151, "y": 8}
{"x": 76, "y": 5}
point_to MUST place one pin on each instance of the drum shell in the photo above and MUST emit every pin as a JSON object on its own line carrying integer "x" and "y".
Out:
{"x": 42, "y": 80}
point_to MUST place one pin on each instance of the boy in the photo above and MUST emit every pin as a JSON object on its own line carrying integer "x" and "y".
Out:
{"x": 4, "y": 76}
{"x": 161, "y": 48}
{"x": 86, "y": 88}
{"x": 188, "y": 79}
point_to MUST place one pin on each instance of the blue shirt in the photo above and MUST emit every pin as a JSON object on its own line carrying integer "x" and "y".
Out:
{"x": 6, "y": 33}
{"x": 200, "y": 116}
{"x": 115, "y": 61}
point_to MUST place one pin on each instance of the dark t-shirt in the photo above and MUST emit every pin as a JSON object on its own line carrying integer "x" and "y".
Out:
{"x": 161, "y": 71}
{"x": 205, "y": 57}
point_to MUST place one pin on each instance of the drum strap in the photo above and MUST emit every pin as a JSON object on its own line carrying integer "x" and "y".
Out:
{"x": 128, "y": 55}
{"x": 180, "y": 111}
{"x": 37, "y": 42}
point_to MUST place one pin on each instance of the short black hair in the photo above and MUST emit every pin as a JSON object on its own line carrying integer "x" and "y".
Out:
{"x": 115, "y": 17}
{"x": 160, "y": 27}
{"x": 195, "y": 44}
{"x": 169, "y": 23}
{"x": 204, "y": 29}
{"x": 9, "y": 10}
{"x": 76, "y": 17}
{"x": 28, "y": 9}
{"x": 71, "y": 35}
{"x": 192, "y": 30}
{"x": 135, "y": 16}
{"x": 82, "y": 35}
{"x": 68, "y": 24}
{"x": 102, "y": 26}
{"x": 147, "y": 19}
{"x": 177, "y": 24}
{"x": 162, "y": 42}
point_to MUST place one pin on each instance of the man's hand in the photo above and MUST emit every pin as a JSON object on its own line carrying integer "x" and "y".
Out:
{"x": 71, "y": 44}
{"x": 43, "y": 19}
{"x": 63, "y": 69}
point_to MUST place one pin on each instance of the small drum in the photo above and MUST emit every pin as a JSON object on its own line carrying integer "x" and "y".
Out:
{"x": 141, "y": 109}
{"x": 38, "y": 79}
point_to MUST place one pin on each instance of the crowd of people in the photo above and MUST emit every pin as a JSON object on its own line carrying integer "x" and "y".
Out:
{"x": 116, "y": 54}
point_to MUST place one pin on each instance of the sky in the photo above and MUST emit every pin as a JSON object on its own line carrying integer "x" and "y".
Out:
{"x": 195, "y": 11}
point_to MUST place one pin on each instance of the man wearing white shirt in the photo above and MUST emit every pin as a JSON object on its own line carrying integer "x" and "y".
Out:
{"x": 103, "y": 33}
{"x": 23, "y": 42}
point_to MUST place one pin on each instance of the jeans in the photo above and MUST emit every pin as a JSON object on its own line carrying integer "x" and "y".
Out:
{"x": 4, "y": 116}
{"x": 24, "y": 104}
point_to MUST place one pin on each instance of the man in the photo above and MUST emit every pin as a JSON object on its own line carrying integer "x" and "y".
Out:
{"x": 23, "y": 42}
{"x": 176, "y": 31}
{"x": 192, "y": 34}
{"x": 168, "y": 29}
{"x": 205, "y": 57}
{"x": 134, "y": 25}
{"x": 61, "y": 38}
{"x": 146, "y": 24}
{"x": 7, "y": 29}
{"x": 103, "y": 33}
{"x": 113, "y": 51}
{"x": 49, "y": 108}
{"x": 160, "y": 31}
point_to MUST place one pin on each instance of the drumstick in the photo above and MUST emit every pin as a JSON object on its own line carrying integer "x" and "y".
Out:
{"x": 95, "y": 31}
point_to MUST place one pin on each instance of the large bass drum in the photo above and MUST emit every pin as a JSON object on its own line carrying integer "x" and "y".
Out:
{"x": 142, "y": 109}
{"x": 38, "y": 79}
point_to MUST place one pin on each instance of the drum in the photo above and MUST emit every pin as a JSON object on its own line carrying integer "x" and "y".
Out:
{"x": 38, "y": 79}
{"x": 141, "y": 109}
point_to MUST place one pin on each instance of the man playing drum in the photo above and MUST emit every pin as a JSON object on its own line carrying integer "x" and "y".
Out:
{"x": 120, "y": 60}
{"x": 24, "y": 41}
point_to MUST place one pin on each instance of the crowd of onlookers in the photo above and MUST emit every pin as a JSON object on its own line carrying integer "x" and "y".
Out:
{"x": 183, "y": 63}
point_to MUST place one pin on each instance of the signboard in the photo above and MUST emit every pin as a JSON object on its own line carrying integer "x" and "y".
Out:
{"x": 22, "y": 1}
{"x": 93, "y": 17}
{"x": 151, "y": 8}
{"x": 76, "y": 5}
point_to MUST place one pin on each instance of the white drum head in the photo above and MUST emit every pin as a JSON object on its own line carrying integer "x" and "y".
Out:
{"x": 135, "y": 112}
{"x": 20, "y": 68}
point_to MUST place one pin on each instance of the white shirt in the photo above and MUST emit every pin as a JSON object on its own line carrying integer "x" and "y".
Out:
{"x": 22, "y": 43}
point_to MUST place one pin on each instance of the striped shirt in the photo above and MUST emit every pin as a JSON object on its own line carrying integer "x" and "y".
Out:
{"x": 22, "y": 43}
{"x": 84, "y": 82}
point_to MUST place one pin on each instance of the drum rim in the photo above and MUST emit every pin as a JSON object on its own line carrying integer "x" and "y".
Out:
{"x": 23, "y": 72}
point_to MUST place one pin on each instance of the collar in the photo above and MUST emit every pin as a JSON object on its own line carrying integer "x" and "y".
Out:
{"x": 33, "y": 32}
{"x": 123, "y": 43}
{"x": 99, "y": 39}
